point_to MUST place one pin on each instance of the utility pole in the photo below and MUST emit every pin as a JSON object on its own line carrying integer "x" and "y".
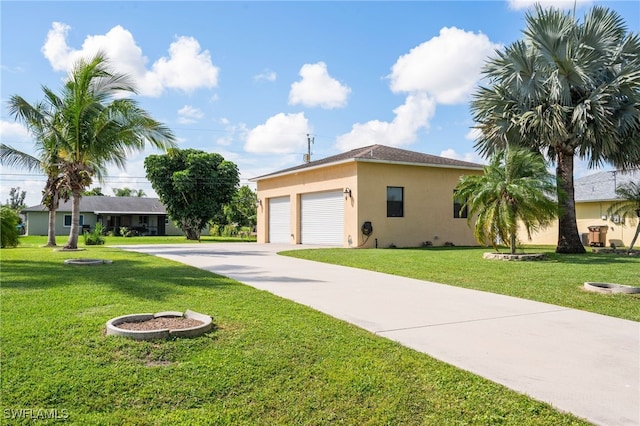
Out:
{"x": 307, "y": 156}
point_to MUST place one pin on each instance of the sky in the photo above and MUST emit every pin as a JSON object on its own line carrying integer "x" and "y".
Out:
{"x": 260, "y": 82}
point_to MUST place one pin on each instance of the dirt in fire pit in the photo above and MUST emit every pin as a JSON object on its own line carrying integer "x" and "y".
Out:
{"x": 172, "y": 323}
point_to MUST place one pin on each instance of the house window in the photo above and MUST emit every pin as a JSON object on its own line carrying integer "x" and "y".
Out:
{"x": 395, "y": 201}
{"x": 458, "y": 211}
{"x": 67, "y": 220}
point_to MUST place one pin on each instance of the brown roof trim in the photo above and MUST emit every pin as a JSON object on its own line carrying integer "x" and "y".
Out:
{"x": 378, "y": 154}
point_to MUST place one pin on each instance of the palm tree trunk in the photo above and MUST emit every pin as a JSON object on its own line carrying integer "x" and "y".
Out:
{"x": 635, "y": 237}
{"x": 51, "y": 231}
{"x": 568, "y": 238}
{"x": 512, "y": 243}
{"x": 72, "y": 242}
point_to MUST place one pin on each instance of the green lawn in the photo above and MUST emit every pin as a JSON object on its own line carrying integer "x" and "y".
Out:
{"x": 558, "y": 280}
{"x": 268, "y": 361}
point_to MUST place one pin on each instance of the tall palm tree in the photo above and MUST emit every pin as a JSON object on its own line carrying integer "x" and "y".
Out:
{"x": 98, "y": 127}
{"x": 41, "y": 121}
{"x": 628, "y": 206}
{"x": 515, "y": 188}
{"x": 568, "y": 89}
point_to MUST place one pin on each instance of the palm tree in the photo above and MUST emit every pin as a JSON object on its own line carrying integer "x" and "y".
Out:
{"x": 627, "y": 206}
{"x": 515, "y": 188}
{"x": 42, "y": 122}
{"x": 98, "y": 129}
{"x": 569, "y": 89}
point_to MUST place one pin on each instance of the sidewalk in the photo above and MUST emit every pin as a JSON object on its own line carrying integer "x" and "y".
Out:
{"x": 583, "y": 363}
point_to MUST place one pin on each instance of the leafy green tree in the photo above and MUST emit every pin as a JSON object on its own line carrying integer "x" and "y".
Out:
{"x": 515, "y": 188}
{"x": 128, "y": 192}
{"x": 242, "y": 209}
{"x": 193, "y": 185}
{"x": 96, "y": 126}
{"x": 8, "y": 227}
{"x": 16, "y": 199}
{"x": 93, "y": 192}
{"x": 628, "y": 206}
{"x": 568, "y": 89}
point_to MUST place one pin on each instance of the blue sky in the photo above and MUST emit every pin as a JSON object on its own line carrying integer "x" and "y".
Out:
{"x": 250, "y": 80}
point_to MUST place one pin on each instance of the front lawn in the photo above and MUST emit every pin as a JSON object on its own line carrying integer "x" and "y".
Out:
{"x": 558, "y": 280}
{"x": 268, "y": 361}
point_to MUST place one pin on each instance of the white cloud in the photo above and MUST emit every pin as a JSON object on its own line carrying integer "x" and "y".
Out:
{"x": 12, "y": 132}
{"x": 318, "y": 88}
{"x": 280, "y": 134}
{"x": 267, "y": 75}
{"x": 187, "y": 68}
{"x": 561, "y": 4}
{"x": 188, "y": 115}
{"x": 233, "y": 132}
{"x": 410, "y": 117}
{"x": 471, "y": 157}
{"x": 446, "y": 67}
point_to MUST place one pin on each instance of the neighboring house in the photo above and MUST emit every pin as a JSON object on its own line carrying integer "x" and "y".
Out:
{"x": 145, "y": 216}
{"x": 594, "y": 194}
{"x": 375, "y": 196}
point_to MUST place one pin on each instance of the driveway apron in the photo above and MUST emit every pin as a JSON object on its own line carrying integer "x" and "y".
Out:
{"x": 583, "y": 363}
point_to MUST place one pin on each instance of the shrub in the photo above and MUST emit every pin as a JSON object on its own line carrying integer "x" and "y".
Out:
{"x": 230, "y": 230}
{"x": 214, "y": 230}
{"x": 9, "y": 227}
{"x": 94, "y": 238}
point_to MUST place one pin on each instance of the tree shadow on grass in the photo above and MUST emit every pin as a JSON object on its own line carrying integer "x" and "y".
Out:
{"x": 594, "y": 259}
{"x": 135, "y": 278}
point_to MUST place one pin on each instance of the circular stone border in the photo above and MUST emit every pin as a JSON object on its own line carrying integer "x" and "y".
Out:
{"x": 507, "y": 256}
{"x": 114, "y": 330}
{"x": 87, "y": 262}
{"x": 609, "y": 288}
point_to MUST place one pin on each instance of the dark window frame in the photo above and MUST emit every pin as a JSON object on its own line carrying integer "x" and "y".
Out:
{"x": 458, "y": 211}
{"x": 67, "y": 220}
{"x": 395, "y": 208}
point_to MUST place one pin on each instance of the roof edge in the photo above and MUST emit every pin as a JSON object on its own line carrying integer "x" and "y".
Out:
{"x": 364, "y": 160}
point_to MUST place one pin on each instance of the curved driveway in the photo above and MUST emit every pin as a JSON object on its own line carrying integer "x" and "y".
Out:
{"x": 583, "y": 363}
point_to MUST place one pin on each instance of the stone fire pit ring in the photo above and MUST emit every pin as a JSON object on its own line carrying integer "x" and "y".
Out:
{"x": 114, "y": 330}
{"x": 609, "y": 288}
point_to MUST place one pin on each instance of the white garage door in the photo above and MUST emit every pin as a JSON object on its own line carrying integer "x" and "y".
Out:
{"x": 279, "y": 219}
{"x": 322, "y": 218}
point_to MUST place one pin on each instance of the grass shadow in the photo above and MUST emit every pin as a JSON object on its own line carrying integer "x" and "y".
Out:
{"x": 153, "y": 279}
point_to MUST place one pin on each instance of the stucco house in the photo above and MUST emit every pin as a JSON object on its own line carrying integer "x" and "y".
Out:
{"x": 375, "y": 196}
{"x": 593, "y": 195}
{"x": 146, "y": 216}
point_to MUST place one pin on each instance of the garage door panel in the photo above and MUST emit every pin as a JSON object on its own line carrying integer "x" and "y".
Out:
{"x": 279, "y": 220}
{"x": 322, "y": 218}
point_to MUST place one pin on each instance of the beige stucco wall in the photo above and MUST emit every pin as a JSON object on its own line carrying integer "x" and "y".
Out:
{"x": 588, "y": 214}
{"x": 428, "y": 206}
{"x": 428, "y": 203}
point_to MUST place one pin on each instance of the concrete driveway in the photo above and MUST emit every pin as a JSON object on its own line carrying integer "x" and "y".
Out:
{"x": 583, "y": 363}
